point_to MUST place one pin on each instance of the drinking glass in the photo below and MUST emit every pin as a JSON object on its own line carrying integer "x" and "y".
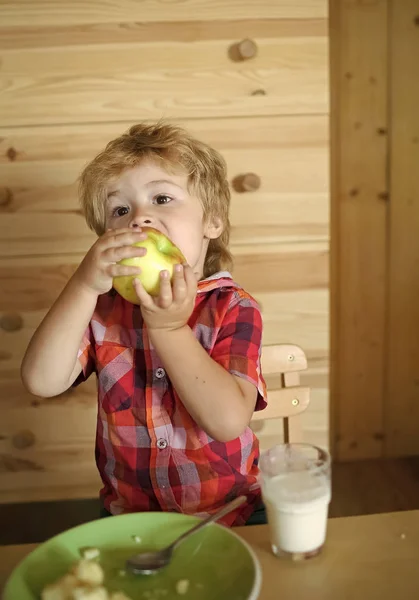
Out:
{"x": 296, "y": 489}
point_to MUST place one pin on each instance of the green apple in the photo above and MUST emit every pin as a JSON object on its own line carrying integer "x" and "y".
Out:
{"x": 162, "y": 255}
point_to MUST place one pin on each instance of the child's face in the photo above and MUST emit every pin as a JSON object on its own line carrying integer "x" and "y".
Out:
{"x": 147, "y": 195}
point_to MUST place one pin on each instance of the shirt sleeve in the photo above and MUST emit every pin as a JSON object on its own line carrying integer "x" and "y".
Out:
{"x": 239, "y": 344}
{"x": 86, "y": 357}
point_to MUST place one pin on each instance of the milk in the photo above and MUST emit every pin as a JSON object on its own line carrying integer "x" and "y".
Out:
{"x": 297, "y": 504}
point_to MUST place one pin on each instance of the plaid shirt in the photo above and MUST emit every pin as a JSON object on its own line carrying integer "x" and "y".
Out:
{"x": 150, "y": 453}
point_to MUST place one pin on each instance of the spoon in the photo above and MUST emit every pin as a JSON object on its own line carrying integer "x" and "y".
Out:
{"x": 149, "y": 562}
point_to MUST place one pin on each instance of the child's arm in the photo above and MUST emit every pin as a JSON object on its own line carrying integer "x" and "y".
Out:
{"x": 50, "y": 364}
{"x": 220, "y": 402}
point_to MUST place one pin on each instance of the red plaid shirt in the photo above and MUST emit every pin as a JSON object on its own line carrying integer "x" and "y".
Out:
{"x": 150, "y": 453}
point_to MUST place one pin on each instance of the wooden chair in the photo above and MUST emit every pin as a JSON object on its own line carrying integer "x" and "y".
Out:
{"x": 285, "y": 361}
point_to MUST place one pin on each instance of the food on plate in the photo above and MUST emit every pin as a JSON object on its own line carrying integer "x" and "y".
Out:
{"x": 136, "y": 539}
{"x": 182, "y": 586}
{"x": 162, "y": 255}
{"x": 89, "y": 572}
{"x": 84, "y": 582}
{"x": 89, "y": 553}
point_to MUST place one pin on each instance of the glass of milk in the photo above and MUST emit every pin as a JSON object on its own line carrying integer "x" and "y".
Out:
{"x": 296, "y": 489}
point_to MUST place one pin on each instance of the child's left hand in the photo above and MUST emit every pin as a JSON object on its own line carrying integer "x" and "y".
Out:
{"x": 172, "y": 308}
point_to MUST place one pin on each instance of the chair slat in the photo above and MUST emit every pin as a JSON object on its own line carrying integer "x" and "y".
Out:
{"x": 283, "y": 358}
{"x": 286, "y": 402}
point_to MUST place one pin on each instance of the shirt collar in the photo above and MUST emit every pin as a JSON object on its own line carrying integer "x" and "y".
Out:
{"x": 221, "y": 279}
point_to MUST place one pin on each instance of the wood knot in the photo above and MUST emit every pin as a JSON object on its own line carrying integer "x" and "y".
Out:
{"x": 259, "y": 92}
{"x": 11, "y": 154}
{"x": 354, "y": 192}
{"x": 244, "y": 50}
{"x": 249, "y": 182}
{"x": 6, "y": 196}
{"x": 11, "y": 322}
{"x": 23, "y": 439}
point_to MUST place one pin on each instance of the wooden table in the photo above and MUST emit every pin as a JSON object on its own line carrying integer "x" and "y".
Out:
{"x": 372, "y": 557}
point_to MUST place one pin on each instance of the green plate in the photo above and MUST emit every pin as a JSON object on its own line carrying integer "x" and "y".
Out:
{"x": 217, "y": 563}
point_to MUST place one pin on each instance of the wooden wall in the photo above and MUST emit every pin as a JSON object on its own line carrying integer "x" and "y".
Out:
{"x": 375, "y": 224}
{"x": 75, "y": 74}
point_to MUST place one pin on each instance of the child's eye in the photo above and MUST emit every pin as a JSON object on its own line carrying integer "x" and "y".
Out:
{"x": 120, "y": 211}
{"x": 162, "y": 199}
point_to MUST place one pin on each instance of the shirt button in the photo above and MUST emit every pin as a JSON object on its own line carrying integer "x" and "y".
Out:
{"x": 161, "y": 444}
{"x": 160, "y": 373}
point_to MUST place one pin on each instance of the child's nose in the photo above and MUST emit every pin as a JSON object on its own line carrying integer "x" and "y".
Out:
{"x": 141, "y": 218}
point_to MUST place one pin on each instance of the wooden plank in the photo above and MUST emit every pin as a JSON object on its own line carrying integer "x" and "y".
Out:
{"x": 314, "y": 421}
{"x": 33, "y": 234}
{"x": 101, "y": 84}
{"x": 360, "y": 209}
{"x": 296, "y": 317}
{"x": 83, "y": 141}
{"x": 106, "y": 60}
{"x": 335, "y": 78}
{"x": 29, "y": 36}
{"x": 402, "y": 360}
{"x": 282, "y": 271}
{"x": 18, "y": 13}
{"x": 280, "y": 403}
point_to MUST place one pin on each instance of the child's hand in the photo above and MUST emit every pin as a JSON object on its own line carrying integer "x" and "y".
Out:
{"x": 99, "y": 267}
{"x": 175, "y": 303}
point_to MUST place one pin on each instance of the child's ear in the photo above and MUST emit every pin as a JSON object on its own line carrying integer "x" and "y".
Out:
{"x": 213, "y": 228}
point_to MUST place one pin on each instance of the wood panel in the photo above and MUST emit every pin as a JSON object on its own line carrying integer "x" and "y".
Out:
{"x": 18, "y": 13}
{"x": 120, "y": 83}
{"x": 359, "y": 215}
{"x": 401, "y": 401}
{"x": 82, "y": 141}
{"x": 29, "y": 36}
{"x": 104, "y": 60}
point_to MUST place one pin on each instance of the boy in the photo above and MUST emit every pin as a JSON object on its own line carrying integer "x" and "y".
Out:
{"x": 178, "y": 375}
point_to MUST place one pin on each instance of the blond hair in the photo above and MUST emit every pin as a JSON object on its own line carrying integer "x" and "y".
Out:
{"x": 177, "y": 150}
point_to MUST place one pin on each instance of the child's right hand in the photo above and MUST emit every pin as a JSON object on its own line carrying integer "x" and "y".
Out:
{"x": 98, "y": 268}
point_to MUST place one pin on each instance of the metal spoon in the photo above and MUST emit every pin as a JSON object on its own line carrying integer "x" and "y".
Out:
{"x": 149, "y": 562}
